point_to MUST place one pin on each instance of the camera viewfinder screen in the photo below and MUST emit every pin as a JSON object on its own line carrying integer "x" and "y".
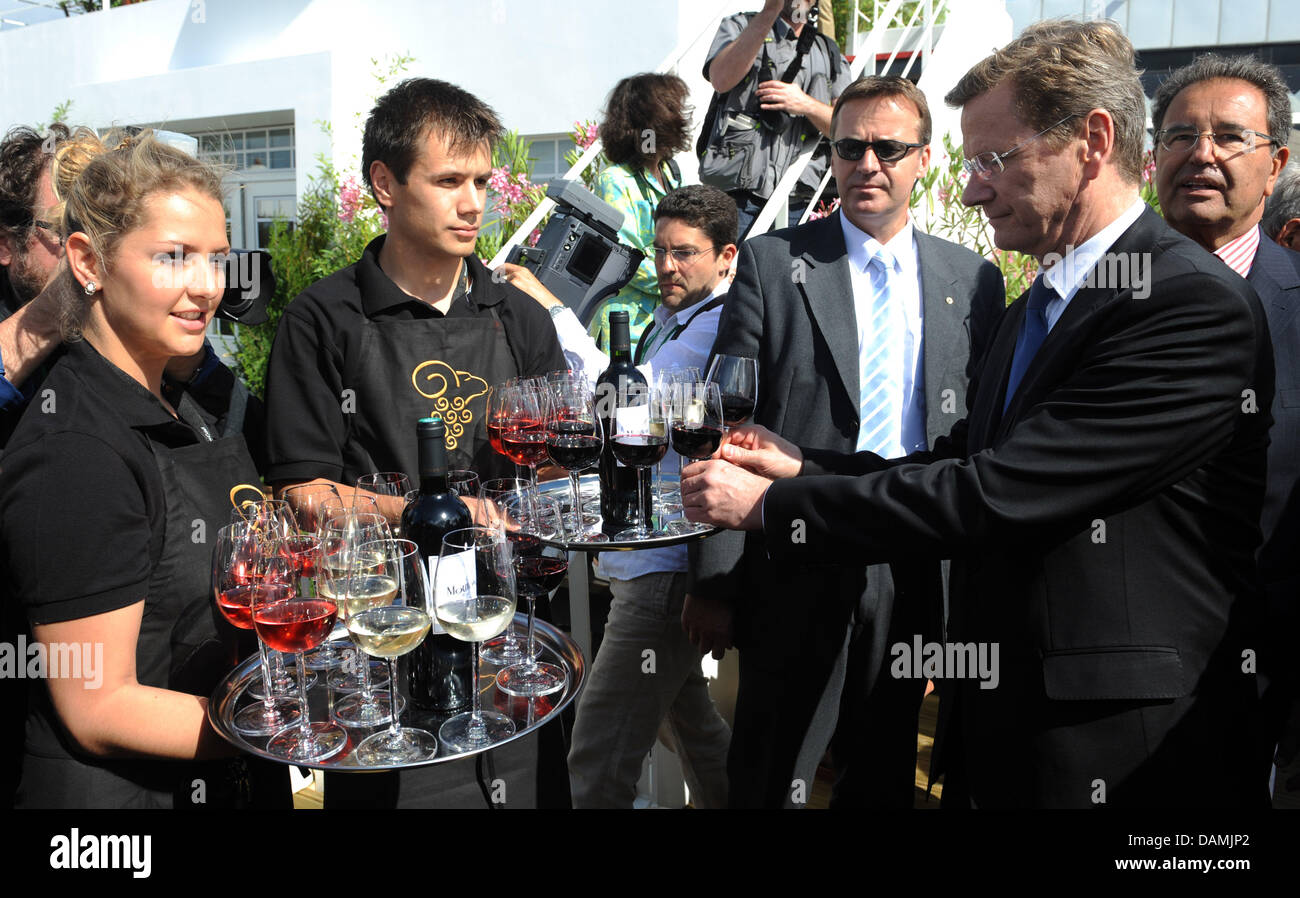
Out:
{"x": 588, "y": 258}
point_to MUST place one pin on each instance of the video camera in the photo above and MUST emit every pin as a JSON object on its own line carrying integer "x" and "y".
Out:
{"x": 250, "y": 284}
{"x": 578, "y": 257}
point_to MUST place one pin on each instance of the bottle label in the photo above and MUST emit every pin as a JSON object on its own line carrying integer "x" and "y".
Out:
{"x": 455, "y": 578}
{"x": 435, "y": 626}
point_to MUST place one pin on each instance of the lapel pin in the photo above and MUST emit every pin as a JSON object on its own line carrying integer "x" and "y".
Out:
{"x": 948, "y": 300}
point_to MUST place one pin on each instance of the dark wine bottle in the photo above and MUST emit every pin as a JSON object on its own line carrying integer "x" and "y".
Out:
{"x": 438, "y": 672}
{"x": 619, "y": 384}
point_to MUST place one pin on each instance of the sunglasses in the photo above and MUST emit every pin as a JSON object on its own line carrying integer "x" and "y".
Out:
{"x": 851, "y": 149}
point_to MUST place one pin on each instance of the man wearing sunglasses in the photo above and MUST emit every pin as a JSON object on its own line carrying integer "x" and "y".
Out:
{"x": 866, "y": 331}
{"x": 1222, "y": 125}
{"x": 1101, "y": 501}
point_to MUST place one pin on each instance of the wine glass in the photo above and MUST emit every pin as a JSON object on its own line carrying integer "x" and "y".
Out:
{"x": 737, "y": 380}
{"x": 499, "y": 501}
{"x": 536, "y": 574}
{"x": 234, "y": 569}
{"x": 474, "y": 599}
{"x": 291, "y": 622}
{"x": 390, "y": 489}
{"x": 347, "y": 575}
{"x": 669, "y": 501}
{"x": 463, "y": 483}
{"x": 639, "y": 440}
{"x": 366, "y": 503}
{"x": 574, "y": 439}
{"x": 390, "y": 631}
{"x": 696, "y": 429}
{"x": 523, "y": 435}
{"x": 307, "y": 501}
{"x": 499, "y": 414}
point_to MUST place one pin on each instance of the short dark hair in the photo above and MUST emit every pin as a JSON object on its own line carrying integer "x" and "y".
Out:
{"x": 1209, "y": 66}
{"x": 1284, "y": 204}
{"x": 649, "y": 102}
{"x": 869, "y": 87}
{"x": 396, "y": 127}
{"x": 24, "y": 154}
{"x": 703, "y": 207}
{"x": 1059, "y": 71}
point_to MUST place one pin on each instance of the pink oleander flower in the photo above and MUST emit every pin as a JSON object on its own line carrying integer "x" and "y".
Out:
{"x": 534, "y": 236}
{"x": 824, "y": 210}
{"x": 584, "y": 134}
{"x": 350, "y": 200}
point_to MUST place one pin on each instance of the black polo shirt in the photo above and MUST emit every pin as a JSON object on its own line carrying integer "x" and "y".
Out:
{"x": 82, "y": 505}
{"x": 318, "y": 343}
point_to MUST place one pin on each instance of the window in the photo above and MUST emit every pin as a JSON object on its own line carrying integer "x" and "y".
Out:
{"x": 547, "y": 152}
{"x": 270, "y": 208}
{"x": 254, "y": 149}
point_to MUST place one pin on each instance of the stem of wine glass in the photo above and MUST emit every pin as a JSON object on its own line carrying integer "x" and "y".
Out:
{"x": 530, "y": 661}
{"x": 394, "y": 728}
{"x": 476, "y": 730}
{"x": 643, "y": 481}
{"x": 367, "y": 693}
{"x": 268, "y": 684}
{"x": 532, "y": 493}
{"x": 578, "y": 519}
{"x": 307, "y": 745}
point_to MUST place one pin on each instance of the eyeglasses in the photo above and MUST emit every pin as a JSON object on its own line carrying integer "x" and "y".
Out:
{"x": 850, "y": 149}
{"x": 1182, "y": 140}
{"x": 681, "y": 256}
{"x": 46, "y": 226}
{"x": 985, "y": 165}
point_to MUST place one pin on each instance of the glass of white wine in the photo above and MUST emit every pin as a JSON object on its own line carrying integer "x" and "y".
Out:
{"x": 474, "y": 600}
{"x": 390, "y": 631}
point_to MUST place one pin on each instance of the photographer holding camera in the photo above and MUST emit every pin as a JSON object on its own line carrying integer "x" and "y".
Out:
{"x": 775, "y": 79}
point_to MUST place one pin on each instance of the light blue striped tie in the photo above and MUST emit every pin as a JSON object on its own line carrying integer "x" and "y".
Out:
{"x": 876, "y": 402}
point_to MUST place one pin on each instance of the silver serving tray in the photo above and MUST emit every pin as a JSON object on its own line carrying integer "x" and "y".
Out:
{"x": 589, "y": 487}
{"x": 556, "y": 647}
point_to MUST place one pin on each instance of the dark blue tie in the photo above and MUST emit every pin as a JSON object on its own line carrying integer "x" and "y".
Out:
{"x": 1033, "y": 331}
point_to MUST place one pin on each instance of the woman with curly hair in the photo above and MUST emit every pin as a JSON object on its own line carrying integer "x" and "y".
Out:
{"x": 646, "y": 123}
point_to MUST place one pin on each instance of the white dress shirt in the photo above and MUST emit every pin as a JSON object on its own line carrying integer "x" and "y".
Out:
{"x": 907, "y": 320}
{"x": 1068, "y": 274}
{"x": 690, "y": 349}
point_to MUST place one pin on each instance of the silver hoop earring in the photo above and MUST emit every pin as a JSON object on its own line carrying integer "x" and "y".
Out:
{"x": 90, "y": 288}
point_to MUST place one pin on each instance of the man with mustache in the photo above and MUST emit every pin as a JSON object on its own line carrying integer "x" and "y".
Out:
{"x": 1222, "y": 125}
{"x": 866, "y": 331}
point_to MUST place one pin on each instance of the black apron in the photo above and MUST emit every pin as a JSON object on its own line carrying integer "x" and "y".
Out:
{"x": 184, "y": 644}
{"x": 411, "y": 369}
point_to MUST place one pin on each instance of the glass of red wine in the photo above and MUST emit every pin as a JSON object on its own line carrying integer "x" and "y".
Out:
{"x": 523, "y": 434}
{"x": 236, "y": 563}
{"x": 639, "y": 440}
{"x": 737, "y": 380}
{"x": 294, "y": 623}
{"x": 503, "y": 504}
{"x": 474, "y": 599}
{"x": 574, "y": 440}
{"x": 696, "y": 431}
{"x": 537, "y": 574}
{"x": 307, "y": 501}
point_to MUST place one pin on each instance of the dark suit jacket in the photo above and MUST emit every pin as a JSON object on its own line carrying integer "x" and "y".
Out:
{"x": 1104, "y": 532}
{"x": 791, "y": 307}
{"x": 1276, "y": 278}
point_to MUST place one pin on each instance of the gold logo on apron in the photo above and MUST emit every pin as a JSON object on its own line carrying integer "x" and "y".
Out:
{"x": 242, "y": 504}
{"x": 452, "y": 392}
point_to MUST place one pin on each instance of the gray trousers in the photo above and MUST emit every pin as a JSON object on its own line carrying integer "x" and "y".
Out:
{"x": 646, "y": 673}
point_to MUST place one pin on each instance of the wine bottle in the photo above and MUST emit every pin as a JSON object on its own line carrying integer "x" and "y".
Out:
{"x": 438, "y": 673}
{"x": 619, "y": 384}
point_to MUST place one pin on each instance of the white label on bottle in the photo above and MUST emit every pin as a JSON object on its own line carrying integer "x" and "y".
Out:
{"x": 633, "y": 419}
{"x": 434, "y": 626}
{"x": 456, "y": 580}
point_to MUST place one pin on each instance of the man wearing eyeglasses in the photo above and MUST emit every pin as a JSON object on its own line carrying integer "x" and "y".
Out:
{"x": 1101, "y": 501}
{"x": 1222, "y": 125}
{"x": 866, "y": 331}
{"x": 30, "y": 251}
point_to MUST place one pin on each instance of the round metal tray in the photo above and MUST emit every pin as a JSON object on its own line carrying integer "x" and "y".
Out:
{"x": 528, "y": 714}
{"x": 589, "y": 486}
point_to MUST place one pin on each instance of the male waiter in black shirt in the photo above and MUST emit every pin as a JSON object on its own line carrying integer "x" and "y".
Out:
{"x": 416, "y": 326}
